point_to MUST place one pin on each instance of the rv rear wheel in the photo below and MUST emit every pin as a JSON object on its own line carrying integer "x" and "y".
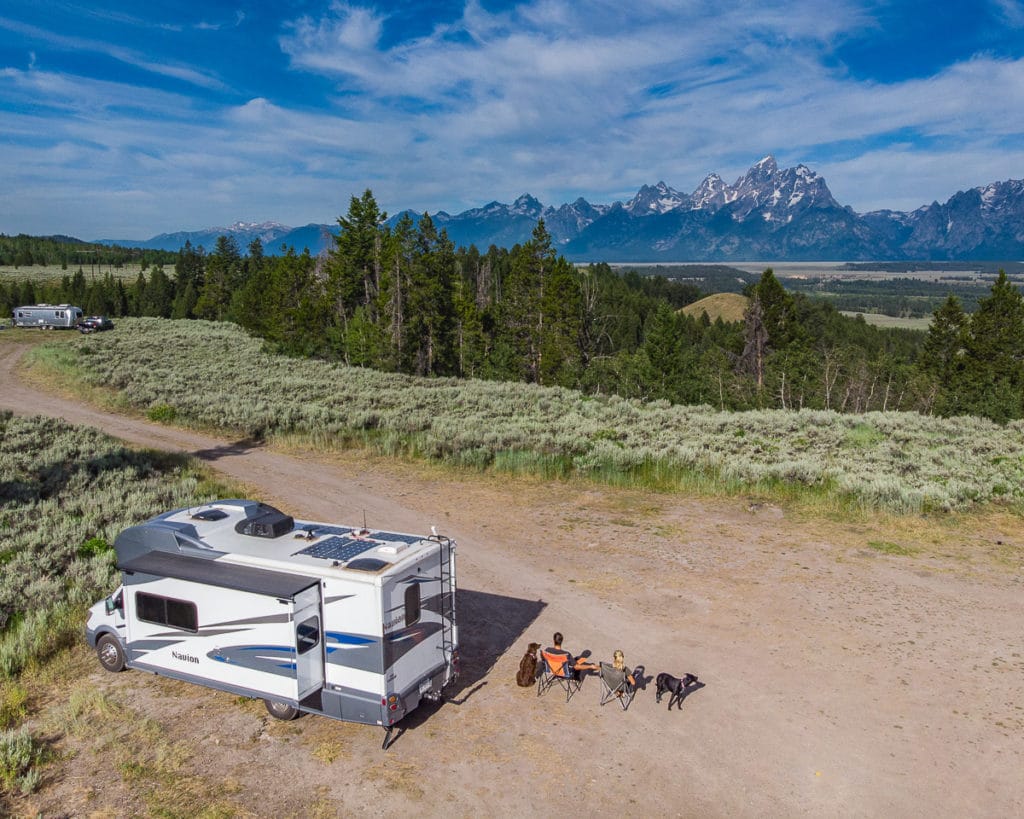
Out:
{"x": 110, "y": 653}
{"x": 281, "y": 710}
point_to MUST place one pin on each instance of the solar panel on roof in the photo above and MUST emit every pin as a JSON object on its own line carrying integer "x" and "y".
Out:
{"x": 410, "y": 539}
{"x": 338, "y": 548}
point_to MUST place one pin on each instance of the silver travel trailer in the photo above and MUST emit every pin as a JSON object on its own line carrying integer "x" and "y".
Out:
{"x": 47, "y": 316}
{"x": 342, "y": 621}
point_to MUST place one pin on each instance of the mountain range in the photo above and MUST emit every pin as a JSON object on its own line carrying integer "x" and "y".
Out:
{"x": 767, "y": 214}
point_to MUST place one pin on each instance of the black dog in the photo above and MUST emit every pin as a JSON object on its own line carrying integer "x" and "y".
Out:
{"x": 675, "y": 686}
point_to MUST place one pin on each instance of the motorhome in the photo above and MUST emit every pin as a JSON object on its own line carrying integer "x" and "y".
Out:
{"x": 47, "y": 316}
{"x": 342, "y": 621}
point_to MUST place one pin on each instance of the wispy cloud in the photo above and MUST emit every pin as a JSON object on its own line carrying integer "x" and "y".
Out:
{"x": 127, "y": 56}
{"x": 560, "y": 89}
{"x": 1011, "y": 12}
{"x": 547, "y": 96}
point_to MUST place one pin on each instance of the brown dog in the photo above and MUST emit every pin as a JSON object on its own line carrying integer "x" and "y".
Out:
{"x": 527, "y": 675}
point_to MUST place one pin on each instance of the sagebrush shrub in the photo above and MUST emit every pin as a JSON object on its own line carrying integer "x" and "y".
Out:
{"x": 214, "y": 375}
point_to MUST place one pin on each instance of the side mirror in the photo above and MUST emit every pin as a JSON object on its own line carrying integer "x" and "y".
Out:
{"x": 114, "y": 603}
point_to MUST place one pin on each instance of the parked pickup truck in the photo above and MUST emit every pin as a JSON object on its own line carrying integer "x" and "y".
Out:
{"x": 94, "y": 324}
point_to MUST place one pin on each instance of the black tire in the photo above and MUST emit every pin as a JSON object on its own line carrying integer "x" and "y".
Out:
{"x": 110, "y": 653}
{"x": 281, "y": 710}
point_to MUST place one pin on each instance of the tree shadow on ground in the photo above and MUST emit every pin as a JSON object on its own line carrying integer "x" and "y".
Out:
{"x": 228, "y": 450}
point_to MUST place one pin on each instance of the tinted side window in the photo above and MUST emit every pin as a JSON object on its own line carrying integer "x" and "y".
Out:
{"x": 166, "y": 611}
{"x": 307, "y": 634}
{"x": 182, "y": 615}
{"x": 149, "y": 607}
{"x": 412, "y": 604}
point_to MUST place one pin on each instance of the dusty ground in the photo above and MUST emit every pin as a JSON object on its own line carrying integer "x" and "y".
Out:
{"x": 840, "y": 680}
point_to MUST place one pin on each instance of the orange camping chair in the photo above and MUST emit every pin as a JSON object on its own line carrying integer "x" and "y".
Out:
{"x": 557, "y": 669}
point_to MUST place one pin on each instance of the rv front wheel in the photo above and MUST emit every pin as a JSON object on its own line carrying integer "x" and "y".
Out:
{"x": 281, "y": 710}
{"x": 110, "y": 653}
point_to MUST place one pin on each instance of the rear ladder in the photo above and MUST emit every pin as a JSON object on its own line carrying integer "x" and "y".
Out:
{"x": 447, "y": 606}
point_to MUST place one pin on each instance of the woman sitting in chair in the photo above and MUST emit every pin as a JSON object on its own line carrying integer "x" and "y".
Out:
{"x": 617, "y": 681}
{"x": 619, "y": 664}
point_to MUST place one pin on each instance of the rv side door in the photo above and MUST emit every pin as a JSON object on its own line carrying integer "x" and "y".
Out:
{"x": 309, "y": 642}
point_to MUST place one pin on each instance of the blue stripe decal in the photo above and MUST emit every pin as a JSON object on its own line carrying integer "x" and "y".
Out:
{"x": 348, "y": 639}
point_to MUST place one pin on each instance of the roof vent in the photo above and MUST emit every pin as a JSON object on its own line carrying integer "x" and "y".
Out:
{"x": 367, "y": 564}
{"x": 210, "y": 514}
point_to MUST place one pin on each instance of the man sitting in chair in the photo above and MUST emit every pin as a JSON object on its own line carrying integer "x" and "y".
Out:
{"x": 577, "y": 664}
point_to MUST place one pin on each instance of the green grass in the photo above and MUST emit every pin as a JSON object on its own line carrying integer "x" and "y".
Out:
{"x": 54, "y": 272}
{"x": 13, "y": 704}
{"x": 21, "y": 756}
{"x": 888, "y": 548}
{"x": 879, "y": 320}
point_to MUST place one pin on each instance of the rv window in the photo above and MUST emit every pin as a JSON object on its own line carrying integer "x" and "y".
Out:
{"x": 307, "y": 634}
{"x": 165, "y": 611}
{"x": 412, "y": 604}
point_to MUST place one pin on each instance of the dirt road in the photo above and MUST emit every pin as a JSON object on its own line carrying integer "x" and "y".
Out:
{"x": 839, "y": 680}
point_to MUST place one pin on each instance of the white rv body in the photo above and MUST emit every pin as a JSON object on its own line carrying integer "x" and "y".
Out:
{"x": 47, "y": 316}
{"x": 353, "y": 624}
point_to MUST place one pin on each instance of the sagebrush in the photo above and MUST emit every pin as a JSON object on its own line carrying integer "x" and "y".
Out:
{"x": 214, "y": 375}
{"x": 65, "y": 493}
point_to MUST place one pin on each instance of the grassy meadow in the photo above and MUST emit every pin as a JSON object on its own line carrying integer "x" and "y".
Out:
{"x": 54, "y": 272}
{"x": 65, "y": 493}
{"x": 726, "y": 306}
{"x": 904, "y": 322}
{"x": 214, "y": 376}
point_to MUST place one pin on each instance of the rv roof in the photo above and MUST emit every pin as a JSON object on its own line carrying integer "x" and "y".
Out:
{"x": 220, "y": 526}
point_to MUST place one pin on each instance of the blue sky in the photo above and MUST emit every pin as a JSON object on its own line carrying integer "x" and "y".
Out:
{"x": 126, "y": 119}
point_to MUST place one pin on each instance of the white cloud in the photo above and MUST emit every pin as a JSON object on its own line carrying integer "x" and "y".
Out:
{"x": 127, "y": 56}
{"x": 545, "y": 98}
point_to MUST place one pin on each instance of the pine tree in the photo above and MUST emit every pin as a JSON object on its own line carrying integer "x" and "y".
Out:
{"x": 189, "y": 271}
{"x": 993, "y": 372}
{"x": 778, "y": 310}
{"x": 431, "y": 309}
{"x": 221, "y": 277}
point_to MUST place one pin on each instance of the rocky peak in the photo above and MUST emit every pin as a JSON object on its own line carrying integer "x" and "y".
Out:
{"x": 526, "y": 205}
{"x": 654, "y": 199}
{"x": 711, "y": 194}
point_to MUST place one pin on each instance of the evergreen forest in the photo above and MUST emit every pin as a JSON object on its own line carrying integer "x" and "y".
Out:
{"x": 405, "y": 299}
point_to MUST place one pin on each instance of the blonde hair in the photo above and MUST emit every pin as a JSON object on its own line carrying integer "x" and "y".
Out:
{"x": 618, "y": 660}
